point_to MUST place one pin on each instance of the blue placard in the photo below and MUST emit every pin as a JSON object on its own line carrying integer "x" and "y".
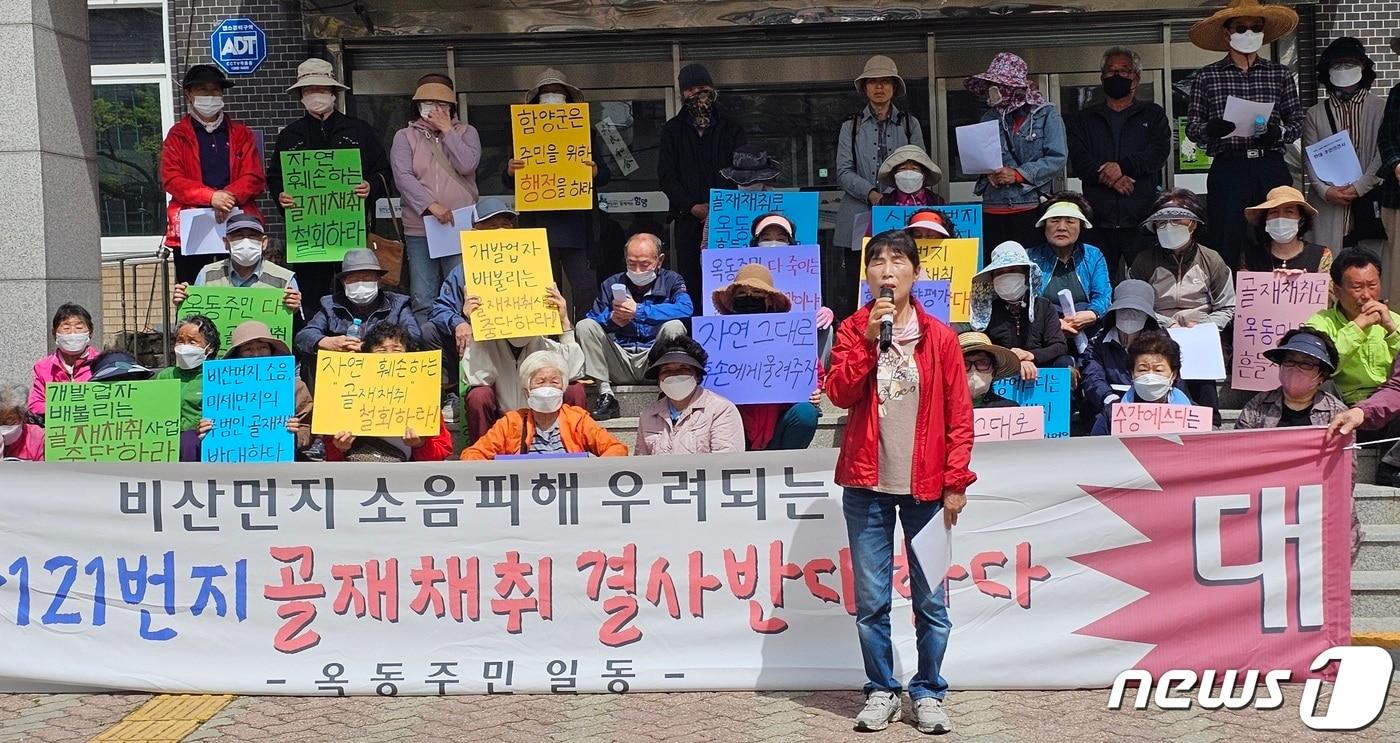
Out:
{"x": 249, "y": 402}
{"x": 768, "y": 358}
{"x": 551, "y": 455}
{"x": 796, "y": 269}
{"x": 934, "y": 296}
{"x": 732, "y": 214}
{"x": 238, "y": 46}
{"x": 966, "y": 219}
{"x": 1050, "y": 390}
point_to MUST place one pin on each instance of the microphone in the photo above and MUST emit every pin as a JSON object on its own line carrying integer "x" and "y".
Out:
{"x": 886, "y": 322}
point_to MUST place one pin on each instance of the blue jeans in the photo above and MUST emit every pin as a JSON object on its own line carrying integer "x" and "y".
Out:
{"x": 796, "y": 428}
{"x": 870, "y": 526}
{"x": 425, "y": 273}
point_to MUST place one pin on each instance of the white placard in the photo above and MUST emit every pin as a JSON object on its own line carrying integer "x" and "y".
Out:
{"x": 1201, "y": 354}
{"x": 1242, "y": 112}
{"x": 446, "y": 239}
{"x": 979, "y": 147}
{"x": 201, "y": 233}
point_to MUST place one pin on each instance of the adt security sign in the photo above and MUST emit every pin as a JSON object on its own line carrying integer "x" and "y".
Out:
{"x": 238, "y": 46}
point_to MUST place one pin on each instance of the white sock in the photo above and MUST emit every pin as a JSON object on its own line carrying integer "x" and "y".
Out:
{"x": 605, "y": 388}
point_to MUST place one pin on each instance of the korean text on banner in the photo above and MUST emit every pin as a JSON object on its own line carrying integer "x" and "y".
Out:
{"x": 1136, "y": 418}
{"x": 1201, "y": 354}
{"x": 732, "y": 212}
{"x": 1267, "y": 306}
{"x": 952, "y": 260}
{"x": 201, "y": 233}
{"x": 378, "y": 394}
{"x": 720, "y": 572}
{"x": 113, "y": 422}
{"x": 966, "y": 218}
{"x": 509, "y": 270}
{"x": 249, "y": 402}
{"x": 1008, "y": 424}
{"x": 760, "y": 358}
{"x": 446, "y": 239}
{"x": 328, "y": 219}
{"x": 1334, "y": 159}
{"x": 933, "y": 296}
{"x": 1050, "y": 391}
{"x": 796, "y": 269}
{"x": 231, "y": 306}
{"x": 554, "y": 142}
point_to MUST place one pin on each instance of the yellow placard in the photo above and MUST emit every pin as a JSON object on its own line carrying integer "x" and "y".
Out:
{"x": 553, "y": 141}
{"x": 950, "y": 259}
{"x": 509, "y": 271}
{"x": 378, "y": 394}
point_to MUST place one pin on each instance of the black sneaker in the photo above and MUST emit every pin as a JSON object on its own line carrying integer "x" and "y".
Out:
{"x": 451, "y": 402}
{"x": 315, "y": 451}
{"x": 605, "y": 408}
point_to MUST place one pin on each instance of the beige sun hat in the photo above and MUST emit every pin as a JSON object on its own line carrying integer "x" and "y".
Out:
{"x": 907, "y": 153}
{"x": 1279, "y": 196}
{"x": 552, "y": 76}
{"x": 318, "y": 73}
{"x": 880, "y": 66}
{"x": 753, "y": 276}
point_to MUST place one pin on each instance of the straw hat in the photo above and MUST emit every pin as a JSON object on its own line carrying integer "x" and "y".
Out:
{"x": 1280, "y": 196}
{"x": 753, "y": 276}
{"x": 880, "y": 66}
{"x": 318, "y": 73}
{"x": 1279, "y": 21}
{"x": 908, "y": 153}
{"x": 1006, "y": 362}
{"x": 552, "y": 76}
{"x": 436, "y": 92}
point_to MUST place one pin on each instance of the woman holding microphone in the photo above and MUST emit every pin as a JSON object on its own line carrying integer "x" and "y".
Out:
{"x": 908, "y": 442}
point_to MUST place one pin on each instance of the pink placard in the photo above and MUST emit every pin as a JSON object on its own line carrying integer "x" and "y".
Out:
{"x": 1267, "y": 305}
{"x": 1008, "y": 424}
{"x": 1137, "y": 418}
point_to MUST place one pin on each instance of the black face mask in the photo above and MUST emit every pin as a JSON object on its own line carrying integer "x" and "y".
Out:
{"x": 1116, "y": 87}
{"x": 750, "y": 305}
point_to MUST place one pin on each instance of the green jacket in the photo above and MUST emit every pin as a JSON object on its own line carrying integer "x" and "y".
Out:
{"x": 191, "y": 394}
{"x": 1365, "y": 356}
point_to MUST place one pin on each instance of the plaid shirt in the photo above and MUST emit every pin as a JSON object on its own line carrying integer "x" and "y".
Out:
{"x": 1264, "y": 82}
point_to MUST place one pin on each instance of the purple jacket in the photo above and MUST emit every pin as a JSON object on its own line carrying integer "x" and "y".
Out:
{"x": 1383, "y": 405}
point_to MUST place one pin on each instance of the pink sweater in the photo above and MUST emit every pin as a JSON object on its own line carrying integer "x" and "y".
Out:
{"x": 51, "y": 369}
{"x": 29, "y": 446}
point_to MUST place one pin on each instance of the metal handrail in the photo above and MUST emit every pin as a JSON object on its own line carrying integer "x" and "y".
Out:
{"x": 160, "y": 255}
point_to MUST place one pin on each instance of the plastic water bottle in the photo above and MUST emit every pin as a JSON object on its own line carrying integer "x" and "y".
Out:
{"x": 1261, "y": 125}
{"x": 354, "y": 331}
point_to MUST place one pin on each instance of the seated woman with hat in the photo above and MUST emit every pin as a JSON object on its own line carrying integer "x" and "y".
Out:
{"x": 930, "y": 224}
{"x": 1068, "y": 262}
{"x": 907, "y": 178}
{"x": 1306, "y": 358}
{"x": 1279, "y": 225}
{"x": 253, "y": 340}
{"x": 1155, "y": 360}
{"x": 769, "y": 426}
{"x": 1007, "y": 306}
{"x": 688, "y": 419}
{"x": 1104, "y": 368}
{"x": 390, "y": 337}
{"x": 986, "y": 362}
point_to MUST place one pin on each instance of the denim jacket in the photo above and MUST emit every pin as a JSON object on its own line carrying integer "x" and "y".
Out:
{"x": 1040, "y": 147}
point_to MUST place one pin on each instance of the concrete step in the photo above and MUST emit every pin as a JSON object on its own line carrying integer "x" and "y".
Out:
{"x": 829, "y": 429}
{"x": 1376, "y": 505}
{"x": 1375, "y": 593}
{"x": 1380, "y": 548}
{"x": 1381, "y": 632}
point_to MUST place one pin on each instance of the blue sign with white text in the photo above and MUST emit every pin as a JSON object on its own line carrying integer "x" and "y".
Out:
{"x": 238, "y": 46}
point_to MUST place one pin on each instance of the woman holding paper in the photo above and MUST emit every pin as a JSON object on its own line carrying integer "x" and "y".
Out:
{"x": 1071, "y": 265}
{"x": 1346, "y": 212}
{"x": 1156, "y": 363}
{"x": 1278, "y": 245}
{"x": 434, "y": 160}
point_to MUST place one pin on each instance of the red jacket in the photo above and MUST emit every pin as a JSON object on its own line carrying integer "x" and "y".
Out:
{"x": 180, "y": 175}
{"x": 434, "y": 449}
{"x": 943, "y": 434}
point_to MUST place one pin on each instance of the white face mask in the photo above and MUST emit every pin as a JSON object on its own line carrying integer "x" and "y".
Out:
{"x": 1247, "y": 42}
{"x": 978, "y": 383}
{"x": 72, "y": 342}
{"x": 1173, "y": 236}
{"x": 1152, "y": 387}
{"x": 1345, "y": 75}
{"x": 553, "y": 98}
{"x": 641, "y": 278}
{"x": 772, "y": 243}
{"x": 10, "y": 434}
{"x": 246, "y": 252}
{"x": 208, "y": 106}
{"x": 318, "y": 104}
{"x": 909, "y": 181}
{"x": 1129, "y": 321}
{"x": 678, "y": 387}
{"x": 361, "y": 292}
{"x": 189, "y": 356}
{"x": 1010, "y": 287}
{"x": 1282, "y": 229}
{"x": 546, "y": 399}
{"x": 993, "y": 95}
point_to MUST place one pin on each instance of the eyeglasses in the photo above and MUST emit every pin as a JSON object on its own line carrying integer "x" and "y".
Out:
{"x": 982, "y": 365}
{"x": 1307, "y": 366}
{"x": 1240, "y": 28}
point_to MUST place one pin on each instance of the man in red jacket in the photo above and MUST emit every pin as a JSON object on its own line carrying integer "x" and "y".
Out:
{"x": 905, "y": 455}
{"x": 207, "y": 160}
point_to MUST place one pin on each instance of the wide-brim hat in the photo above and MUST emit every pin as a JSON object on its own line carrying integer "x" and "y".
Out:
{"x": 908, "y": 153}
{"x": 753, "y": 276}
{"x": 436, "y": 92}
{"x": 1279, "y": 196}
{"x": 359, "y": 259}
{"x": 1005, "y": 69}
{"x": 1279, "y": 21}
{"x": 1009, "y": 254}
{"x": 673, "y": 356}
{"x": 1133, "y": 294}
{"x": 751, "y": 164}
{"x": 253, "y": 330}
{"x": 119, "y": 365}
{"x": 552, "y": 76}
{"x": 1306, "y": 344}
{"x": 316, "y": 73}
{"x": 205, "y": 73}
{"x": 880, "y": 66}
{"x": 1006, "y": 361}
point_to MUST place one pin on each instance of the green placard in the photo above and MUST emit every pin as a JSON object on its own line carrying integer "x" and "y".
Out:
{"x": 231, "y": 306}
{"x": 328, "y": 219}
{"x": 1189, "y": 155}
{"x": 113, "y": 422}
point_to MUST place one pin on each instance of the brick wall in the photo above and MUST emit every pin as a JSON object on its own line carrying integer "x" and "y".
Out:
{"x": 1371, "y": 22}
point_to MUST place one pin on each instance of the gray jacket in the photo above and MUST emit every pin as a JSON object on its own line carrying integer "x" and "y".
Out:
{"x": 1040, "y": 154}
{"x": 858, "y": 161}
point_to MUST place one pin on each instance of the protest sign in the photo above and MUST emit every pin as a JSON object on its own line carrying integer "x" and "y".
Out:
{"x": 249, "y": 402}
{"x": 445, "y": 240}
{"x": 509, "y": 270}
{"x": 554, "y": 142}
{"x": 1137, "y": 418}
{"x": 378, "y": 394}
{"x": 231, "y": 306}
{"x": 112, "y": 421}
{"x": 965, "y": 218}
{"x": 1268, "y": 305}
{"x": 732, "y": 212}
{"x": 1074, "y": 560}
{"x": 1050, "y": 391}
{"x": 1008, "y": 424}
{"x": 933, "y": 296}
{"x": 1201, "y": 354}
{"x": 797, "y": 272}
{"x": 201, "y": 233}
{"x": 952, "y": 260}
{"x": 328, "y": 219}
{"x": 760, "y": 358}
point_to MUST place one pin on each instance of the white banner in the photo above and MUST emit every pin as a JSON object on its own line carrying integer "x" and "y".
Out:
{"x": 647, "y": 573}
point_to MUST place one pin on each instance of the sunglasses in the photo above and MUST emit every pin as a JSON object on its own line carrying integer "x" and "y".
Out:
{"x": 982, "y": 365}
{"x": 1240, "y": 28}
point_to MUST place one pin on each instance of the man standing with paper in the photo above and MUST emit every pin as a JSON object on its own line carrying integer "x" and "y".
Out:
{"x": 1247, "y": 163}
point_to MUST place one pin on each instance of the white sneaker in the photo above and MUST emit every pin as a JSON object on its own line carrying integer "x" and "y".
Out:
{"x": 881, "y": 708}
{"x": 930, "y": 717}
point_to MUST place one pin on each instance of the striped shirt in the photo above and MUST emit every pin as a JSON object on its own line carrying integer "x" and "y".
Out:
{"x": 1345, "y": 113}
{"x": 547, "y": 441}
{"x": 1264, "y": 82}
